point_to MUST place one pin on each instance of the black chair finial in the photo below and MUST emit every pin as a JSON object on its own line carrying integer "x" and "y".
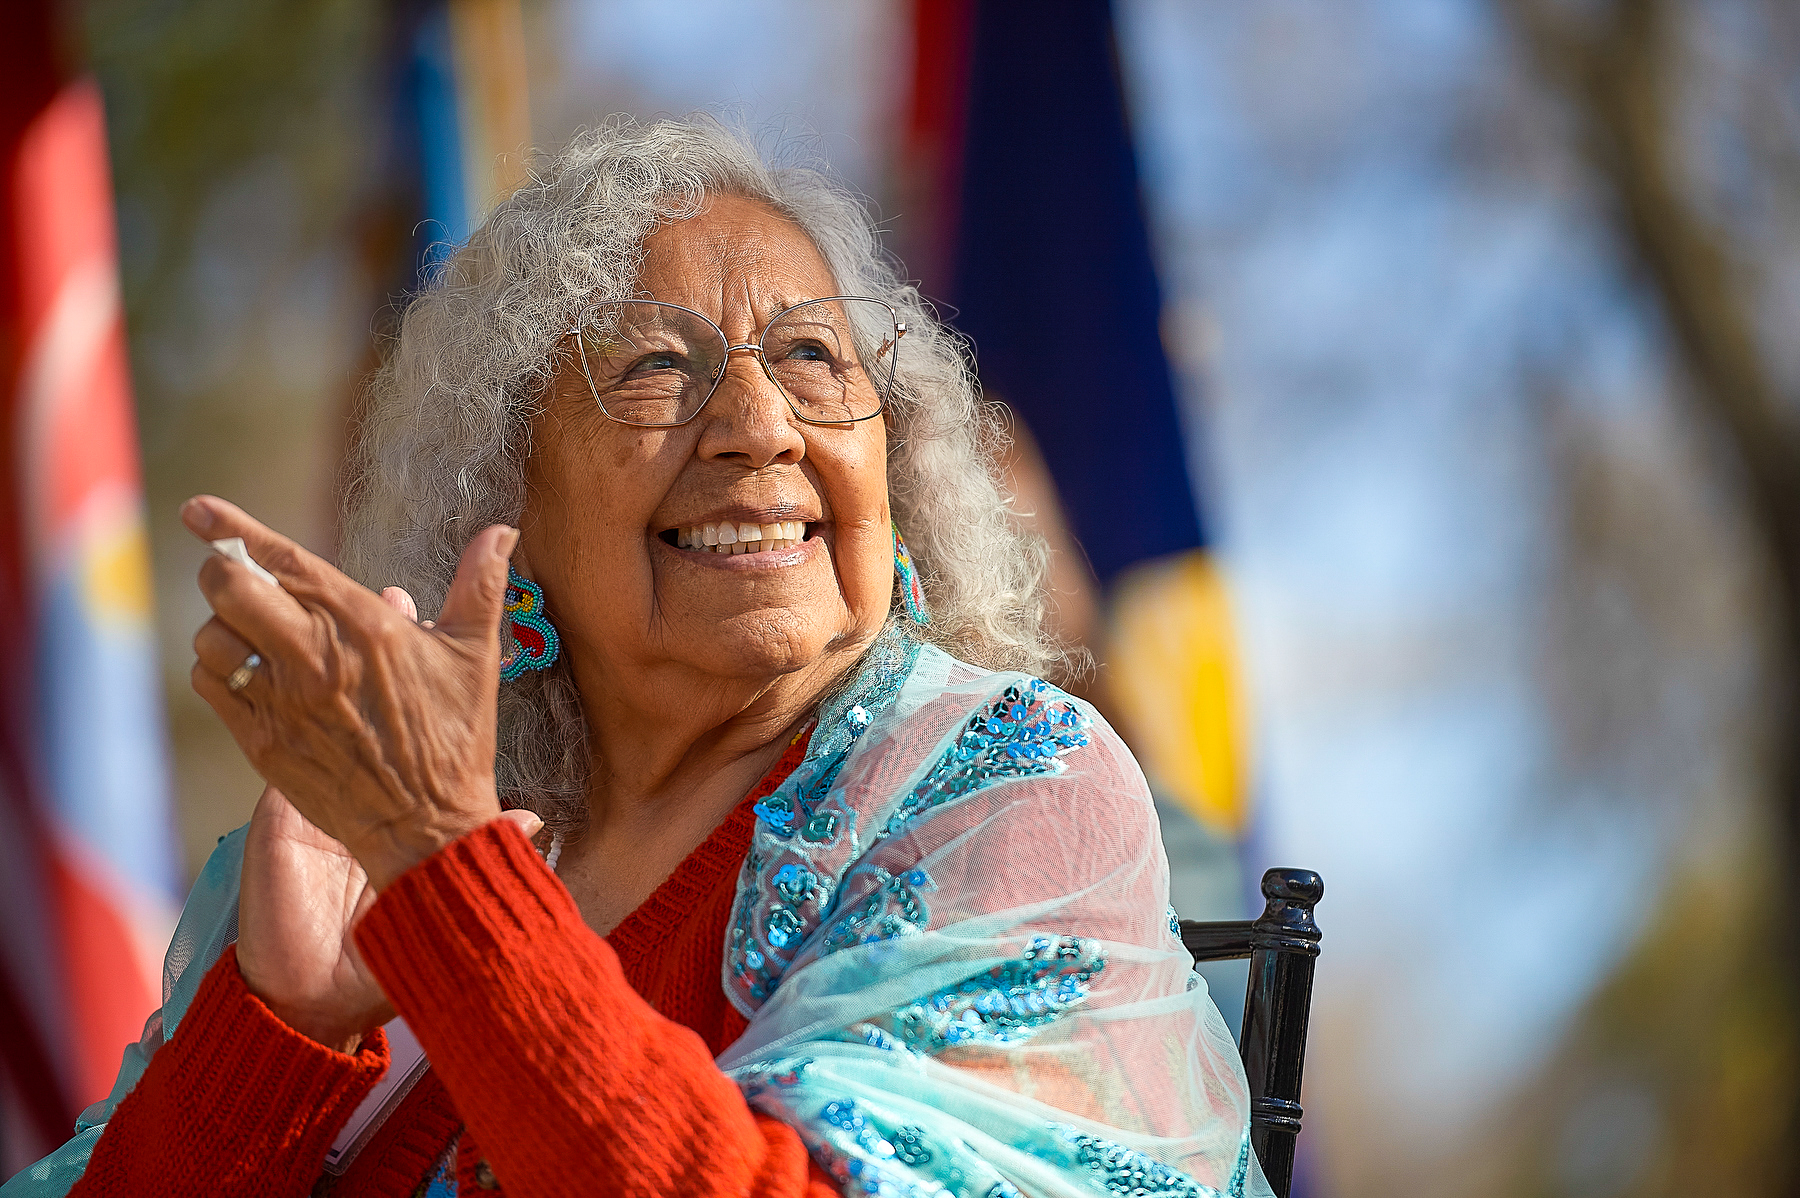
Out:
{"x": 1301, "y": 887}
{"x": 1284, "y": 943}
{"x": 1283, "y": 946}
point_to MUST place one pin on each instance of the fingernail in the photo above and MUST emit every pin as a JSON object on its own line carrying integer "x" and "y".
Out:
{"x": 533, "y": 826}
{"x": 197, "y": 514}
{"x": 509, "y": 542}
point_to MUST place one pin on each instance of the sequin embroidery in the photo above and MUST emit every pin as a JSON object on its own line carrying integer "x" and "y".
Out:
{"x": 1003, "y": 1005}
{"x": 1126, "y": 1171}
{"x": 864, "y": 1147}
{"x": 744, "y": 955}
{"x": 774, "y": 912}
{"x": 866, "y": 1160}
{"x": 1240, "y": 1173}
{"x": 822, "y": 828}
{"x": 783, "y": 925}
{"x": 1023, "y": 733}
{"x": 895, "y": 907}
{"x": 777, "y": 814}
{"x": 909, "y": 1146}
{"x": 795, "y": 883}
{"x": 839, "y": 861}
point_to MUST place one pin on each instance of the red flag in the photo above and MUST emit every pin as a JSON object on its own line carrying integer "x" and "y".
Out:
{"x": 86, "y": 853}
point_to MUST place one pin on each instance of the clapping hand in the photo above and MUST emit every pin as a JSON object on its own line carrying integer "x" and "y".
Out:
{"x": 375, "y": 734}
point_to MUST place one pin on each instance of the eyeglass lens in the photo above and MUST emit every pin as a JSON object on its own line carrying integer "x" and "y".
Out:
{"x": 652, "y": 363}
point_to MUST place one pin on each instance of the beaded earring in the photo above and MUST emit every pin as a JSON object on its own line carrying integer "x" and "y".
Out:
{"x": 532, "y": 641}
{"x": 906, "y": 576}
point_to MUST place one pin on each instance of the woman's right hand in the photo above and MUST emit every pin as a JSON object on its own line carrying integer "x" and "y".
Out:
{"x": 300, "y": 896}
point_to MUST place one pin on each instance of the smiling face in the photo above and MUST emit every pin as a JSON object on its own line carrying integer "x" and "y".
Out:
{"x": 613, "y": 510}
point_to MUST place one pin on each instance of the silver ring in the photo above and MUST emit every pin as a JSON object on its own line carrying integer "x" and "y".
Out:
{"x": 239, "y": 678}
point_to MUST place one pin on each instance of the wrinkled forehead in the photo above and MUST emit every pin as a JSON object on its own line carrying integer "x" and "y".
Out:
{"x": 737, "y": 261}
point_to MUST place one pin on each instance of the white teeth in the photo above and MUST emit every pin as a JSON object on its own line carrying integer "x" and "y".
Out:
{"x": 733, "y": 537}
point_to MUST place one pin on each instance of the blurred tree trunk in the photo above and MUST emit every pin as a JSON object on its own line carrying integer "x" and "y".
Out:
{"x": 1614, "y": 64}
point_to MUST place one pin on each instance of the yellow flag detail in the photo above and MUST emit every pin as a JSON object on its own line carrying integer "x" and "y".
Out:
{"x": 115, "y": 572}
{"x": 1174, "y": 666}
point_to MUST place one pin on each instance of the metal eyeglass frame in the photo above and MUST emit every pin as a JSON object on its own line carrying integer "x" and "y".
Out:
{"x": 881, "y": 392}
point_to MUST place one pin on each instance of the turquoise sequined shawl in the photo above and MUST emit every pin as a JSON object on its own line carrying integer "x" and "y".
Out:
{"x": 951, "y": 938}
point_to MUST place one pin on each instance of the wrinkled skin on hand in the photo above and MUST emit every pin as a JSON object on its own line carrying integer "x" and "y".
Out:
{"x": 376, "y": 736}
{"x": 380, "y": 732}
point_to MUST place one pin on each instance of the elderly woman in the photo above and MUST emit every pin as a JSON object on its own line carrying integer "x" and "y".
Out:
{"x": 714, "y": 838}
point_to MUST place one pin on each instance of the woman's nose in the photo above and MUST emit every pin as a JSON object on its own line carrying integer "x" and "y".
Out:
{"x": 748, "y": 417}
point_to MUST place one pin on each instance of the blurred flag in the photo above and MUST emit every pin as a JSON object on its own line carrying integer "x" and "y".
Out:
{"x": 88, "y": 874}
{"x": 1019, "y": 160}
{"x": 468, "y": 107}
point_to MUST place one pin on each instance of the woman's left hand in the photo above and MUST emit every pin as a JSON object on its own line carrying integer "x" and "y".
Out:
{"x": 379, "y": 731}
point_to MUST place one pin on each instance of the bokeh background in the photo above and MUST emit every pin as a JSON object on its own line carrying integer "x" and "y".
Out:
{"x": 1481, "y": 316}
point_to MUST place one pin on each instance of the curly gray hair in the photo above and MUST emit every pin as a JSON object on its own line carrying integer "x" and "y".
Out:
{"x": 447, "y": 426}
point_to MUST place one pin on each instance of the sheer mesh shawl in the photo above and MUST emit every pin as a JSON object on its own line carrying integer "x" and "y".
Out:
{"x": 953, "y": 939}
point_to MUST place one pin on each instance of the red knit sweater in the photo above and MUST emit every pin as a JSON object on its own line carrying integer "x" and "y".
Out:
{"x": 567, "y": 1064}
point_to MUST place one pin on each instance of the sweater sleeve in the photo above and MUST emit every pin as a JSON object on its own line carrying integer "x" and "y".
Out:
{"x": 236, "y": 1102}
{"x": 570, "y": 1082}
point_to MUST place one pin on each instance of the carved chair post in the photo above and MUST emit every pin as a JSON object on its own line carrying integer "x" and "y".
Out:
{"x": 1284, "y": 944}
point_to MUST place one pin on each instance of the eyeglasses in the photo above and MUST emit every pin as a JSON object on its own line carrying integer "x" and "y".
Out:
{"x": 655, "y": 365}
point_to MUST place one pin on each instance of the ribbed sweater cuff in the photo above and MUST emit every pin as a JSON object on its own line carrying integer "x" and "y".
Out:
{"x": 247, "y": 1061}
{"x": 491, "y": 892}
{"x": 236, "y": 1102}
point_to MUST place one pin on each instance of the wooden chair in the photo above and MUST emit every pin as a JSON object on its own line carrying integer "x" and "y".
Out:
{"x": 1283, "y": 945}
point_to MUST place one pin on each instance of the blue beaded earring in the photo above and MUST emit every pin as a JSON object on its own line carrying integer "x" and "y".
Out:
{"x": 906, "y": 575}
{"x": 534, "y": 644}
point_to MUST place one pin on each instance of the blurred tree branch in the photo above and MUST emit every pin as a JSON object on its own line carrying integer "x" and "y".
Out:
{"x": 1614, "y": 62}
{"x": 1616, "y": 74}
